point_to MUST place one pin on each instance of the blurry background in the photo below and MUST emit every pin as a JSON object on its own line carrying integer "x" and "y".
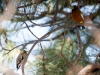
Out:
{"x": 47, "y": 24}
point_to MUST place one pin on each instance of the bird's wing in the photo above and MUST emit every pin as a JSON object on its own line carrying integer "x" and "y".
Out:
{"x": 82, "y": 16}
{"x": 19, "y": 60}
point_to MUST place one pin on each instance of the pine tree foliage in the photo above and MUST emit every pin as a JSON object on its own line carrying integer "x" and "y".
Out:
{"x": 57, "y": 60}
{"x": 71, "y": 46}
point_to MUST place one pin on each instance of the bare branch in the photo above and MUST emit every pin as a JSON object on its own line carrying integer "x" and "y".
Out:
{"x": 44, "y": 36}
{"x": 80, "y": 47}
{"x": 90, "y": 69}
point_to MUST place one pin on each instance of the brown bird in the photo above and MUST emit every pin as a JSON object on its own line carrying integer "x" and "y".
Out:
{"x": 77, "y": 15}
{"x": 21, "y": 59}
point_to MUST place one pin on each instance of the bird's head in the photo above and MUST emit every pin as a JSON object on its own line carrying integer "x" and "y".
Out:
{"x": 23, "y": 51}
{"x": 74, "y": 7}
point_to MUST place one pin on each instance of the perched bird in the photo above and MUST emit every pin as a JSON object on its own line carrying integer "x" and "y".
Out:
{"x": 21, "y": 59}
{"x": 77, "y": 15}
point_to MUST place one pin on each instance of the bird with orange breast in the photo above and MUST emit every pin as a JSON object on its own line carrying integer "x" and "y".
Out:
{"x": 77, "y": 15}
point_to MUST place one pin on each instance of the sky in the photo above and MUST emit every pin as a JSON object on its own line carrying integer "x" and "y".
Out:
{"x": 24, "y": 34}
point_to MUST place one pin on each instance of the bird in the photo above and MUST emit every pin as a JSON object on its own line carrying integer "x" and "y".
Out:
{"x": 21, "y": 59}
{"x": 77, "y": 15}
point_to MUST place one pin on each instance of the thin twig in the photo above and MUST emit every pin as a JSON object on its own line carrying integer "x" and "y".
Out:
{"x": 67, "y": 63}
{"x": 80, "y": 47}
{"x": 44, "y": 36}
{"x": 55, "y": 15}
{"x": 31, "y": 31}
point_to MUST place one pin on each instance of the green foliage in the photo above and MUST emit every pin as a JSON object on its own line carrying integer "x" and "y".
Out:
{"x": 1, "y": 6}
{"x": 57, "y": 59}
{"x": 7, "y": 56}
